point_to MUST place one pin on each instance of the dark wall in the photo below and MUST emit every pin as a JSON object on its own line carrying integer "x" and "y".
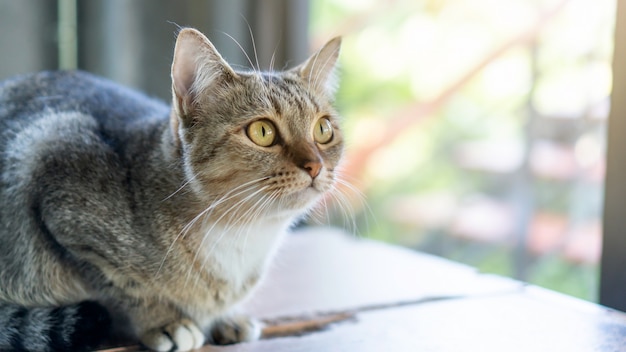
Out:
{"x": 27, "y": 36}
{"x": 132, "y": 41}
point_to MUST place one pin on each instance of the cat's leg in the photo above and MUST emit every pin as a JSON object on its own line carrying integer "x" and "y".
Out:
{"x": 235, "y": 328}
{"x": 84, "y": 207}
{"x": 160, "y": 325}
{"x": 179, "y": 335}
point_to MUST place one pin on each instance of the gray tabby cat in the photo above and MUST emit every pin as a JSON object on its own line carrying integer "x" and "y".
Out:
{"x": 118, "y": 212}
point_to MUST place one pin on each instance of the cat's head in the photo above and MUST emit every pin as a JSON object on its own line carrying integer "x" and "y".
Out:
{"x": 255, "y": 142}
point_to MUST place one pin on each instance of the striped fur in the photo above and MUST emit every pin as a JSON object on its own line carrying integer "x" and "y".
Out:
{"x": 118, "y": 211}
{"x": 72, "y": 328}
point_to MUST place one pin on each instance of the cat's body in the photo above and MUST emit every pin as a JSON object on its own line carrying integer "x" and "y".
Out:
{"x": 166, "y": 217}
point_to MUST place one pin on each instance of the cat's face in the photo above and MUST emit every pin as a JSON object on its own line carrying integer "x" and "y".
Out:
{"x": 260, "y": 143}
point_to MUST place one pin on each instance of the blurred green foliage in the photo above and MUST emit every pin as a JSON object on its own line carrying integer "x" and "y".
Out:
{"x": 505, "y": 174}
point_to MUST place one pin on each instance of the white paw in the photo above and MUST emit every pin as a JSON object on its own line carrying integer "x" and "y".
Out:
{"x": 182, "y": 335}
{"x": 234, "y": 329}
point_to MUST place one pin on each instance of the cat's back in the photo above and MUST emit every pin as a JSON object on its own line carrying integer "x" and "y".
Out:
{"x": 41, "y": 110}
{"x": 27, "y": 96}
{"x": 67, "y": 123}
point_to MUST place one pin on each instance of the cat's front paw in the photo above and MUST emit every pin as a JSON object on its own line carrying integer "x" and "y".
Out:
{"x": 233, "y": 329}
{"x": 182, "y": 335}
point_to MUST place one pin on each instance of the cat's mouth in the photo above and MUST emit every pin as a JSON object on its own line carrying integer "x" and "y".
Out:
{"x": 317, "y": 185}
{"x": 315, "y": 190}
{"x": 305, "y": 195}
{"x": 297, "y": 191}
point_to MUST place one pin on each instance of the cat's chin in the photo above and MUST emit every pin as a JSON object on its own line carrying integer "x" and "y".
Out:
{"x": 302, "y": 200}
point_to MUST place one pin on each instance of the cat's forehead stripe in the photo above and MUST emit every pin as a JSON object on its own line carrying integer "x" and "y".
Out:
{"x": 297, "y": 98}
{"x": 304, "y": 93}
{"x": 312, "y": 101}
{"x": 291, "y": 91}
{"x": 276, "y": 104}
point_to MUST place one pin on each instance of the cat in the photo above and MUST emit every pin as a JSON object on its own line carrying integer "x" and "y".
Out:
{"x": 122, "y": 215}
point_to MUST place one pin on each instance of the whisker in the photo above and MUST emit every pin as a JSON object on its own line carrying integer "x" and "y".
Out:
{"x": 267, "y": 200}
{"x": 344, "y": 206}
{"x": 253, "y": 211}
{"x": 227, "y": 196}
{"x": 224, "y": 231}
{"x": 361, "y": 198}
{"x": 217, "y": 221}
{"x": 256, "y": 57}
{"x": 319, "y": 213}
{"x": 273, "y": 58}
{"x": 178, "y": 190}
{"x": 327, "y": 211}
{"x": 240, "y": 47}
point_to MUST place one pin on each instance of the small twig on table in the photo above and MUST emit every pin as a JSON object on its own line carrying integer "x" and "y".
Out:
{"x": 305, "y": 324}
{"x": 301, "y": 325}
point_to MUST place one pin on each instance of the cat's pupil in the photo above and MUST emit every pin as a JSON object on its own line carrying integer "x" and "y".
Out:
{"x": 263, "y": 131}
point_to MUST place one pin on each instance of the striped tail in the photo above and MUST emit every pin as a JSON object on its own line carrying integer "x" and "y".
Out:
{"x": 79, "y": 327}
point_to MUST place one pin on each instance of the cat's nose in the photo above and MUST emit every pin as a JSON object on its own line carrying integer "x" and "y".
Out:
{"x": 313, "y": 168}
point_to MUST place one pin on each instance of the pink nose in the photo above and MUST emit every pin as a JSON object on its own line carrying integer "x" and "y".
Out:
{"x": 313, "y": 168}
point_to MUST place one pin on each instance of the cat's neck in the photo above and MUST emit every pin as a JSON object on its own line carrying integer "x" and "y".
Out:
{"x": 241, "y": 252}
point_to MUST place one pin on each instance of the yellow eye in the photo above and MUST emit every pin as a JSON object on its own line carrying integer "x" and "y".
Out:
{"x": 323, "y": 131}
{"x": 262, "y": 133}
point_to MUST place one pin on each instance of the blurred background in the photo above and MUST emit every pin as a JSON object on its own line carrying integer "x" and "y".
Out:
{"x": 476, "y": 129}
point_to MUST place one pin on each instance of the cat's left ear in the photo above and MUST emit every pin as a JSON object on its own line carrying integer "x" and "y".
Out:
{"x": 319, "y": 69}
{"x": 196, "y": 67}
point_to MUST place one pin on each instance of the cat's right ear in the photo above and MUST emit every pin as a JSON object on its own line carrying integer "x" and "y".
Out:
{"x": 319, "y": 69}
{"x": 197, "y": 67}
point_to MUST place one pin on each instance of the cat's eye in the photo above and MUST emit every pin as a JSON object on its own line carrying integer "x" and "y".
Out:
{"x": 262, "y": 133}
{"x": 323, "y": 131}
